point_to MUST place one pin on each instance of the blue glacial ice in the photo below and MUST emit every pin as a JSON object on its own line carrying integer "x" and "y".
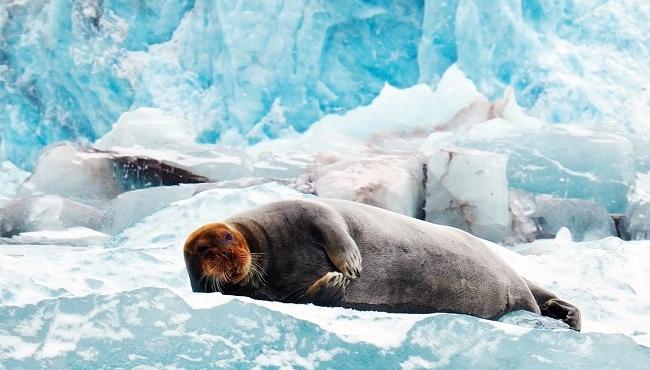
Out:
{"x": 543, "y": 106}
{"x": 67, "y": 71}
{"x": 155, "y": 327}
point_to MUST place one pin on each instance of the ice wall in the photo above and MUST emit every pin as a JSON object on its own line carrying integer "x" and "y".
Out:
{"x": 68, "y": 70}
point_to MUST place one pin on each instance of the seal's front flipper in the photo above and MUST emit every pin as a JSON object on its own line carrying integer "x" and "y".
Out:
{"x": 341, "y": 249}
{"x": 327, "y": 291}
{"x": 562, "y": 310}
{"x": 346, "y": 257}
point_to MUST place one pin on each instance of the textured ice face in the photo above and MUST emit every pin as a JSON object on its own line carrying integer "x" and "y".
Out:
{"x": 563, "y": 161}
{"x": 69, "y": 70}
{"x": 141, "y": 327}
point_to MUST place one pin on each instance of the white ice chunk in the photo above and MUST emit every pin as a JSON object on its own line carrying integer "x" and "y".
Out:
{"x": 49, "y": 212}
{"x": 543, "y": 217}
{"x": 531, "y": 320}
{"x": 171, "y": 225}
{"x": 69, "y": 171}
{"x": 281, "y": 165}
{"x": 76, "y": 236}
{"x": 468, "y": 189}
{"x": 637, "y": 217}
{"x": 637, "y": 221}
{"x": 393, "y": 182}
{"x": 148, "y": 128}
{"x": 563, "y": 236}
{"x": 149, "y": 132}
{"x": 91, "y": 175}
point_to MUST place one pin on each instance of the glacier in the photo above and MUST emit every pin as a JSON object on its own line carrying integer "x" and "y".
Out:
{"x": 305, "y": 59}
{"x": 123, "y": 128}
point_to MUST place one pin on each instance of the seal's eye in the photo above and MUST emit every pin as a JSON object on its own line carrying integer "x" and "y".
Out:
{"x": 227, "y": 236}
{"x": 202, "y": 248}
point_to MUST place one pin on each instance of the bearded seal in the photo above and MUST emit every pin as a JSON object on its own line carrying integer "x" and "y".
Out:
{"x": 340, "y": 253}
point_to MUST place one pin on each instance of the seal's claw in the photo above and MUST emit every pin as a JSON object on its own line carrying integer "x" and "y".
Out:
{"x": 348, "y": 262}
{"x": 353, "y": 264}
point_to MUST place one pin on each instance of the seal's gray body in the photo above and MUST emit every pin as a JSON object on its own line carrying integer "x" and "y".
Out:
{"x": 409, "y": 265}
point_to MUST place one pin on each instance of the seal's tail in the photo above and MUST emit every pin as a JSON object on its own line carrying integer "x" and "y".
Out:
{"x": 551, "y": 306}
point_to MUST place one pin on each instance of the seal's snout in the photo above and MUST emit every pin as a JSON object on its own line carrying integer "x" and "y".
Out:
{"x": 228, "y": 254}
{"x": 219, "y": 253}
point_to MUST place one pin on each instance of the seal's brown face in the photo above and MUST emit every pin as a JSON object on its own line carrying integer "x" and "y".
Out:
{"x": 218, "y": 253}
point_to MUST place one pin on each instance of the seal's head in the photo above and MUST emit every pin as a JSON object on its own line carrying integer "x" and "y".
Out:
{"x": 217, "y": 255}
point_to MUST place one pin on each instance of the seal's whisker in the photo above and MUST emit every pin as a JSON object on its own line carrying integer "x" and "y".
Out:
{"x": 256, "y": 273}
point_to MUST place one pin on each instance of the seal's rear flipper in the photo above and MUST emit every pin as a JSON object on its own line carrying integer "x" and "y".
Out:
{"x": 326, "y": 291}
{"x": 550, "y": 305}
{"x": 562, "y": 310}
